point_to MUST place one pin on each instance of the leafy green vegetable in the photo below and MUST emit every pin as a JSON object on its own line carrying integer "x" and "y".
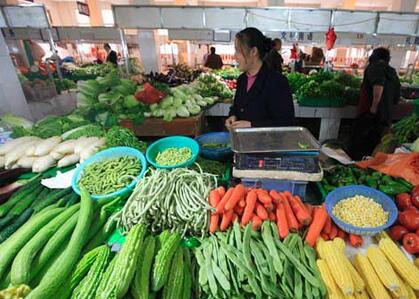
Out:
{"x": 89, "y": 130}
{"x": 16, "y": 121}
{"x": 119, "y": 136}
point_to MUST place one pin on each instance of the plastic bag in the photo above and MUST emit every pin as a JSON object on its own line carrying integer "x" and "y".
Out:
{"x": 149, "y": 95}
{"x": 400, "y": 165}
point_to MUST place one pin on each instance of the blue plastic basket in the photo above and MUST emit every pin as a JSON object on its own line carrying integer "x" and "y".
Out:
{"x": 113, "y": 152}
{"x": 214, "y": 154}
{"x": 349, "y": 191}
{"x": 174, "y": 141}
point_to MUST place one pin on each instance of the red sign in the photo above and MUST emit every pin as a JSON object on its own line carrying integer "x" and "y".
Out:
{"x": 83, "y": 8}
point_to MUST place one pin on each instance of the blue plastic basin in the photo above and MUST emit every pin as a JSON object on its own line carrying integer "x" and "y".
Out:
{"x": 174, "y": 141}
{"x": 113, "y": 152}
{"x": 214, "y": 154}
{"x": 350, "y": 191}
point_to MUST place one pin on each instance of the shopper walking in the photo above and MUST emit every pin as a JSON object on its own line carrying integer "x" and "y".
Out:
{"x": 273, "y": 58}
{"x": 111, "y": 57}
{"x": 263, "y": 96}
{"x": 213, "y": 61}
{"x": 380, "y": 91}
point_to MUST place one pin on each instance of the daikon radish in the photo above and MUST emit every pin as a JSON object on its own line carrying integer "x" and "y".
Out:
{"x": 43, "y": 163}
{"x": 55, "y": 155}
{"x": 84, "y": 143}
{"x": 18, "y": 152}
{"x": 66, "y": 147}
{"x": 26, "y": 162}
{"x": 92, "y": 149}
{"x": 68, "y": 160}
{"x": 9, "y": 146}
{"x": 45, "y": 147}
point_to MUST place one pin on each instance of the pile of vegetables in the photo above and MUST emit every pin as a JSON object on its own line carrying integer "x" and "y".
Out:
{"x": 350, "y": 175}
{"x": 99, "y": 70}
{"x": 228, "y": 73}
{"x": 64, "y": 84}
{"x": 244, "y": 263}
{"x": 173, "y": 156}
{"x": 41, "y": 154}
{"x": 209, "y": 166}
{"x": 406, "y": 230}
{"x": 407, "y": 129}
{"x": 110, "y": 175}
{"x": 207, "y": 85}
{"x": 175, "y": 200}
{"x": 119, "y": 136}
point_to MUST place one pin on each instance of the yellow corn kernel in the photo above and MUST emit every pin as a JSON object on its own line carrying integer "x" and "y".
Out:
{"x": 334, "y": 259}
{"x": 332, "y": 288}
{"x": 319, "y": 247}
{"x": 403, "y": 292}
{"x": 383, "y": 269}
{"x": 374, "y": 285}
{"x": 340, "y": 243}
{"x": 400, "y": 263}
{"x": 362, "y": 295}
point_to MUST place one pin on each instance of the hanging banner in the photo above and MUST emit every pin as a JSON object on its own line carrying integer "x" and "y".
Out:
{"x": 83, "y": 8}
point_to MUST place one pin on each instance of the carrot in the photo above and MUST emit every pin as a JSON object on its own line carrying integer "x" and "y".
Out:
{"x": 214, "y": 219}
{"x": 256, "y": 222}
{"x": 221, "y": 190}
{"x": 214, "y": 198}
{"x": 272, "y": 216}
{"x": 281, "y": 221}
{"x": 227, "y": 219}
{"x": 251, "y": 199}
{"x": 310, "y": 209}
{"x": 355, "y": 240}
{"x": 264, "y": 197}
{"x": 235, "y": 217}
{"x": 341, "y": 234}
{"x": 269, "y": 207}
{"x": 275, "y": 196}
{"x": 299, "y": 209}
{"x": 261, "y": 212}
{"x": 238, "y": 210}
{"x": 333, "y": 231}
{"x": 324, "y": 236}
{"x": 292, "y": 221}
{"x": 328, "y": 225}
{"x": 238, "y": 193}
{"x": 242, "y": 203}
{"x": 223, "y": 201}
{"x": 316, "y": 226}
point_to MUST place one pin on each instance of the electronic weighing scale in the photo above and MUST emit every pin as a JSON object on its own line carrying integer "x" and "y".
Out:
{"x": 283, "y": 153}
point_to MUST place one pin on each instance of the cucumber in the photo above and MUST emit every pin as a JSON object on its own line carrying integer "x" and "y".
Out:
{"x": 72, "y": 199}
{"x": 6, "y": 220}
{"x": 12, "y": 246}
{"x": 18, "y": 222}
{"x": 87, "y": 288}
{"x": 102, "y": 235}
{"x": 65, "y": 264}
{"x": 25, "y": 202}
{"x": 21, "y": 267}
{"x": 57, "y": 241}
{"x": 27, "y": 189}
{"x": 50, "y": 199}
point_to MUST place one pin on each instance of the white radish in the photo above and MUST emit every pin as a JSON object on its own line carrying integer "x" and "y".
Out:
{"x": 55, "y": 155}
{"x": 10, "y": 145}
{"x": 66, "y": 147}
{"x": 43, "y": 163}
{"x": 92, "y": 149}
{"x": 69, "y": 160}
{"x": 26, "y": 162}
{"x": 45, "y": 147}
{"x": 1, "y": 162}
{"x": 84, "y": 143}
{"x": 18, "y": 152}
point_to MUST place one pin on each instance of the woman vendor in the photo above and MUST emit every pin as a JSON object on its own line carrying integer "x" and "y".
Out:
{"x": 263, "y": 96}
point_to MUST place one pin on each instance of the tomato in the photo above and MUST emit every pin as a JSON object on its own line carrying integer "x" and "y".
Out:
{"x": 397, "y": 232}
{"x": 403, "y": 201}
{"x": 415, "y": 196}
{"x": 411, "y": 243}
{"x": 417, "y": 232}
{"x": 409, "y": 219}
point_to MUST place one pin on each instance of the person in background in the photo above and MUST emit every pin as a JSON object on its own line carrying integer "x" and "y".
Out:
{"x": 380, "y": 91}
{"x": 213, "y": 60}
{"x": 111, "y": 57}
{"x": 263, "y": 96}
{"x": 273, "y": 58}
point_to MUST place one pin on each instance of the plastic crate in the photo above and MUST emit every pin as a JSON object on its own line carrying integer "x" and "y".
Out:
{"x": 294, "y": 187}
{"x": 321, "y": 102}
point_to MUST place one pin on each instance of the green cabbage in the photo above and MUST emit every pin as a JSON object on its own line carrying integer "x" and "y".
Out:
{"x": 194, "y": 109}
{"x": 177, "y": 102}
{"x": 167, "y": 102}
{"x": 84, "y": 100}
{"x": 201, "y": 103}
{"x": 209, "y": 100}
{"x": 182, "y": 112}
{"x": 154, "y": 107}
{"x": 16, "y": 121}
{"x": 130, "y": 101}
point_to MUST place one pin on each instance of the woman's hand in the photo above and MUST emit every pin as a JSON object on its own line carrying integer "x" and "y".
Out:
{"x": 242, "y": 124}
{"x": 230, "y": 121}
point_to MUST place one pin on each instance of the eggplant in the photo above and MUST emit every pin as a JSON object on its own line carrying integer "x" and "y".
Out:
{"x": 8, "y": 190}
{"x": 10, "y": 175}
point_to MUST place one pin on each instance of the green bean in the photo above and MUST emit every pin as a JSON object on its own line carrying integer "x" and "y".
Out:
{"x": 173, "y": 156}
{"x": 269, "y": 242}
{"x": 246, "y": 248}
{"x": 210, "y": 274}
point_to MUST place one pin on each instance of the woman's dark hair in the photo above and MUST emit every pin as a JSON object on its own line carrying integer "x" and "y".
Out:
{"x": 380, "y": 54}
{"x": 252, "y": 37}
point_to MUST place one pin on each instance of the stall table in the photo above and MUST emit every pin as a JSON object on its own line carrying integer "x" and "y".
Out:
{"x": 330, "y": 116}
{"x": 157, "y": 127}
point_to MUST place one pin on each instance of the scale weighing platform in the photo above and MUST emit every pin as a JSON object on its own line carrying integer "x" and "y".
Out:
{"x": 284, "y": 153}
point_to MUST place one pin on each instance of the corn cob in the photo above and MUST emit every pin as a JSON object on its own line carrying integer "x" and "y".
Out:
{"x": 383, "y": 269}
{"x": 374, "y": 285}
{"x": 400, "y": 263}
{"x": 417, "y": 262}
{"x": 403, "y": 292}
{"x": 332, "y": 288}
{"x": 339, "y": 243}
{"x": 319, "y": 247}
{"x": 410, "y": 292}
{"x": 334, "y": 260}
{"x": 362, "y": 295}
